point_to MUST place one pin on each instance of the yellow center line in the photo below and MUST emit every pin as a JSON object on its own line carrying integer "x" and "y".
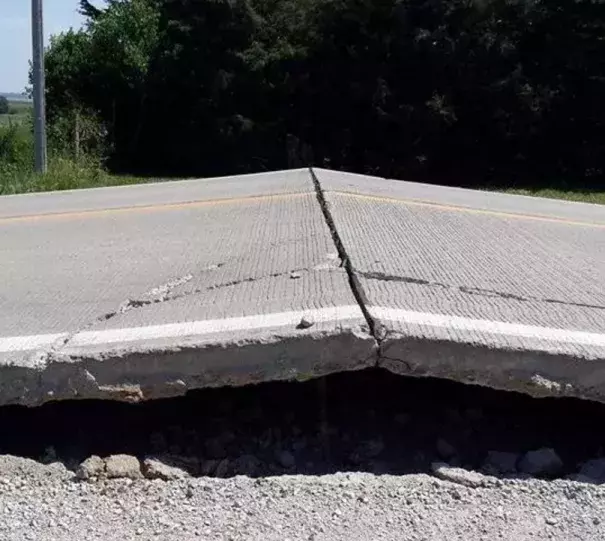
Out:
{"x": 456, "y": 208}
{"x": 151, "y": 208}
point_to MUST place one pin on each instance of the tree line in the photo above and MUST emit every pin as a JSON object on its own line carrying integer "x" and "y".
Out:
{"x": 466, "y": 92}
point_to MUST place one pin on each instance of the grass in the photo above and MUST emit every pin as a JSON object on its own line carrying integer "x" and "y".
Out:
{"x": 597, "y": 197}
{"x": 63, "y": 174}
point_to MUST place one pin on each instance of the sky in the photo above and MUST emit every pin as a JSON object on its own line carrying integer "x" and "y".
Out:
{"x": 15, "y": 36}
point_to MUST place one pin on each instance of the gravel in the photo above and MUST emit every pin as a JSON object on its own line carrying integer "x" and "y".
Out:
{"x": 44, "y": 502}
{"x": 361, "y": 456}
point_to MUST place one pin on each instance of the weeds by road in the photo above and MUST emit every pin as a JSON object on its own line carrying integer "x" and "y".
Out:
{"x": 65, "y": 172}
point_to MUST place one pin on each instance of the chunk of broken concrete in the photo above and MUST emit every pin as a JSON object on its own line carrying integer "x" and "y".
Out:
{"x": 123, "y": 466}
{"x": 543, "y": 462}
{"x": 460, "y": 476}
{"x": 92, "y": 468}
{"x": 163, "y": 468}
{"x": 594, "y": 470}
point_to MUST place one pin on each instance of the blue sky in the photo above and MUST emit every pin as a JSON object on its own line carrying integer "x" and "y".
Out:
{"x": 15, "y": 36}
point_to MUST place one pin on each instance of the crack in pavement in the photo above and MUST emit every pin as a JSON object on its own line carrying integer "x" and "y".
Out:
{"x": 383, "y": 277}
{"x": 164, "y": 290}
{"x": 345, "y": 262}
{"x": 138, "y": 303}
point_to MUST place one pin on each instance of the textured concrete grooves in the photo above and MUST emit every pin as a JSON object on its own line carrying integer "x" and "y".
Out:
{"x": 354, "y": 283}
{"x": 209, "y": 290}
{"x": 524, "y": 313}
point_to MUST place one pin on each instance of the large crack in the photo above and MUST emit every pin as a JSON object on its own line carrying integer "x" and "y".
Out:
{"x": 354, "y": 283}
{"x": 164, "y": 290}
{"x": 139, "y": 303}
{"x": 383, "y": 277}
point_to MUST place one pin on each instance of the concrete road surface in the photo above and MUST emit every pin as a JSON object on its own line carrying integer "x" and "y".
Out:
{"x": 147, "y": 291}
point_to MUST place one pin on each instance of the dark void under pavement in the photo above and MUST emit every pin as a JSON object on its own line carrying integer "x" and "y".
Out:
{"x": 361, "y": 421}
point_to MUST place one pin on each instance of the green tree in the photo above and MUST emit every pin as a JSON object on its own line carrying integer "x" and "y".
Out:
{"x": 451, "y": 91}
{"x": 103, "y": 70}
{"x": 4, "y": 106}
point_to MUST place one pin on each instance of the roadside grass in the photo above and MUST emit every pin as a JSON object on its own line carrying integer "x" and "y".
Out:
{"x": 584, "y": 196}
{"x": 63, "y": 174}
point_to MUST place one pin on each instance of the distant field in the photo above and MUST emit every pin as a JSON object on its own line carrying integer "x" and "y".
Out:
{"x": 19, "y": 113}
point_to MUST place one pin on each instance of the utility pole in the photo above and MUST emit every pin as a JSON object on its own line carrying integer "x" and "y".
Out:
{"x": 39, "y": 85}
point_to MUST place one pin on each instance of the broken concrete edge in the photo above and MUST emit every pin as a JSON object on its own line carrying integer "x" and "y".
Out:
{"x": 136, "y": 376}
{"x": 536, "y": 373}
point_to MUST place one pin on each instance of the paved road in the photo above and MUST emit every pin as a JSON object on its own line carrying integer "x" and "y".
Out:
{"x": 145, "y": 291}
{"x": 476, "y": 286}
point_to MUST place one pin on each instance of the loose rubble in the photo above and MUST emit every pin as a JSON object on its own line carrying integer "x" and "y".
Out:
{"x": 163, "y": 468}
{"x": 123, "y": 466}
{"x": 458, "y": 475}
{"x": 92, "y": 468}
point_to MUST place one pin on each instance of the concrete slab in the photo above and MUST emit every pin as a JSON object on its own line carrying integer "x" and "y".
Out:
{"x": 204, "y": 285}
{"x": 154, "y": 194}
{"x": 149, "y": 291}
{"x": 491, "y": 203}
{"x": 481, "y": 293}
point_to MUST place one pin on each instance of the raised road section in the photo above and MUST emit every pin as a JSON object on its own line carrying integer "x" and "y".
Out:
{"x": 140, "y": 292}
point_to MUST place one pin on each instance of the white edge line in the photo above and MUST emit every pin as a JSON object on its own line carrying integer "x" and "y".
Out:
{"x": 26, "y": 343}
{"x": 181, "y": 330}
{"x": 516, "y": 330}
{"x": 291, "y": 319}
